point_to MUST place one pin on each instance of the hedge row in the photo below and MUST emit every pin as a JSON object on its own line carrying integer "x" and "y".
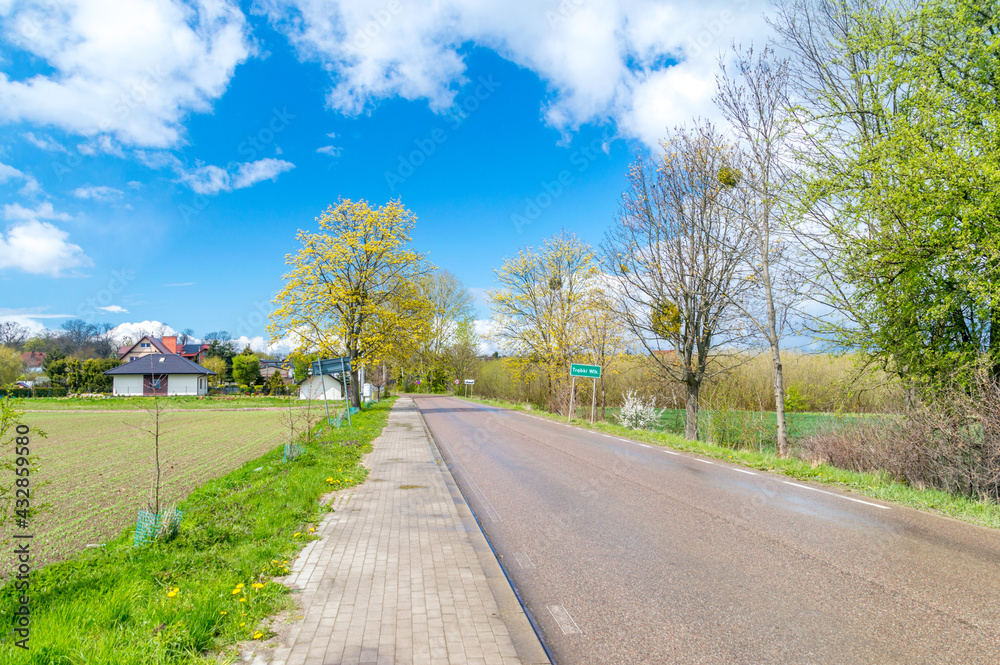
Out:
{"x": 33, "y": 392}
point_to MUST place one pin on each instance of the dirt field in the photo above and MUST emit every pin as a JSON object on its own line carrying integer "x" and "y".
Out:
{"x": 99, "y": 466}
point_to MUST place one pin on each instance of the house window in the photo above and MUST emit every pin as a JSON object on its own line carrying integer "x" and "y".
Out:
{"x": 144, "y": 345}
{"x": 156, "y": 384}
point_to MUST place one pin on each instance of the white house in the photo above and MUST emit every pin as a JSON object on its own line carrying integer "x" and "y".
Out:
{"x": 312, "y": 387}
{"x": 160, "y": 374}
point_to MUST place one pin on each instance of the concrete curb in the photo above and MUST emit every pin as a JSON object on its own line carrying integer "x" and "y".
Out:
{"x": 522, "y": 633}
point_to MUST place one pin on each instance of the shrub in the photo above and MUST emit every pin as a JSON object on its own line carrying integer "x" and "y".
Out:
{"x": 951, "y": 444}
{"x": 638, "y": 413}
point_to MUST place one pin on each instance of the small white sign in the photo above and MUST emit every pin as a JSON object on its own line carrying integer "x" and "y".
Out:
{"x": 470, "y": 382}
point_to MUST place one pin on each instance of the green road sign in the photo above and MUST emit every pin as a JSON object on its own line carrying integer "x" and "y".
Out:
{"x": 589, "y": 371}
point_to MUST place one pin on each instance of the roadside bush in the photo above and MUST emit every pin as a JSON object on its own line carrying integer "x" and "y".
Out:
{"x": 951, "y": 444}
{"x": 637, "y": 412}
{"x": 737, "y": 428}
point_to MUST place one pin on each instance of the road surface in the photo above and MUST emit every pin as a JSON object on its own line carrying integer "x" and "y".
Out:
{"x": 628, "y": 553}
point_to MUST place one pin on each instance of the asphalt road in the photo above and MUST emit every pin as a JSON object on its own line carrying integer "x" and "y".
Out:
{"x": 627, "y": 553}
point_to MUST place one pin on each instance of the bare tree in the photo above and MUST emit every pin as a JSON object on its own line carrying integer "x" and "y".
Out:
{"x": 676, "y": 250}
{"x": 12, "y": 334}
{"x": 753, "y": 96}
{"x": 605, "y": 338}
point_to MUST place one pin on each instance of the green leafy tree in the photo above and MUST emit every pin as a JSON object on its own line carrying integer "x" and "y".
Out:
{"x": 900, "y": 123}
{"x": 11, "y": 366}
{"x": 246, "y": 369}
{"x": 218, "y": 365}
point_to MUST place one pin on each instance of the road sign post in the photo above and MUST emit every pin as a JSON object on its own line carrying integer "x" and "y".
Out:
{"x": 470, "y": 382}
{"x": 587, "y": 372}
{"x": 330, "y": 366}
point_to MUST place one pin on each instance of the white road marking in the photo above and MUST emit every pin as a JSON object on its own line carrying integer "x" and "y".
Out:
{"x": 749, "y": 473}
{"x": 839, "y": 496}
{"x": 523, "y": 560}
{"x": 564, "y": 620}
{"x": 490, "y": 510}
{"x": 703, "y": 461}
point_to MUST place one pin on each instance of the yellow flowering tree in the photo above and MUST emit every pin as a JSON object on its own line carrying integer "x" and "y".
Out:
{"x": 353, "y": 287}
{"x": 540, "y": 308}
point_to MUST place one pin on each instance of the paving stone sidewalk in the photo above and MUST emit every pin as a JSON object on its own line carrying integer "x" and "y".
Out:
{"x": 395, "y": 577}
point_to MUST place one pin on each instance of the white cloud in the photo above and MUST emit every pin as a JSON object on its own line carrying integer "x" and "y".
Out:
{"x": 43, "y": 142}
{"x": 29, "y": 318}
{"x": 211, "y": 179}
{"x": 114, "y": 309}
{"x": 30, "y": 187}
{"x": 8, "y": 172}
{"x": 330, "y": 150}
{"x": 131, "y": 69}
{"x": 15, "y": 211}
{"x": 644, "y": 64}
{"x": 98, "y": 193}
{"x": 40, "y": 248}
{"x": 207, "y": 179}
{"x": 283, "y": 346}
{"x": 136, "y": 330}
{"x": 180, "y": 284}
{"x": 483, "y": 329}
{"x": 250, "y": 173}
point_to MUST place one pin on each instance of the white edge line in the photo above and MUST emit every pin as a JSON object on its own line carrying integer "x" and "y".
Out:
{"x": 749, "y": 473}
{"x": 703, "y": 461}
{"x": 839, "y": 496}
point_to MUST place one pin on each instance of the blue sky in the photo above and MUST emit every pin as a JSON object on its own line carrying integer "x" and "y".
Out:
{"x": 158, "y": 156}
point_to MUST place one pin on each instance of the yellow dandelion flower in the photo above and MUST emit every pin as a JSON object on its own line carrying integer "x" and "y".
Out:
{"x": 235, "y": 591}
{"x": 257, "y": 635}
{"x": 172, "y": 592}
{"x": 296, "y": 534}
{"x": 243, "y": 623}
{"x": 223, "y": 612}
{"x": 258, "y": 585}
{"x": 240, "y": 585}
{"x": 243, "y": 600}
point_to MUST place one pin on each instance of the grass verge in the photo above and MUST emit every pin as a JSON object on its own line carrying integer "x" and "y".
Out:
{"x": 210, "y": 587}
{"x": 139, "y": 403}
{"x": 875, "y": 485}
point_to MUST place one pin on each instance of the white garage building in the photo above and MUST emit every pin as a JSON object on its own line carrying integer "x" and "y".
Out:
{"x": 312, "y": 387}
{"x": 160, "y": 374}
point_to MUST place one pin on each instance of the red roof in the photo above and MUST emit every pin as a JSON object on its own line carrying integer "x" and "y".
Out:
{"x": 32, "y": 358}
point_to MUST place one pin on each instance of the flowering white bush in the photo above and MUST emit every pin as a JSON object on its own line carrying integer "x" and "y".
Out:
{"x": 638, "y": 413}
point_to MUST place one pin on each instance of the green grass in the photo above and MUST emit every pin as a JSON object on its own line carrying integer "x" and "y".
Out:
{"x": 876, "y": 485}
{"x": 112, "y": 605}
{"x": 799, "y": 424}
{"x": 178, "y": 402}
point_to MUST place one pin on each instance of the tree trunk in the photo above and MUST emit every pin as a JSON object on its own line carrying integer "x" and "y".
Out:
{"x": 691, "y": 411}
{"x": 778, "y": 374}
{"x": 354, "y": 387}
{"x": 779, "y": 399}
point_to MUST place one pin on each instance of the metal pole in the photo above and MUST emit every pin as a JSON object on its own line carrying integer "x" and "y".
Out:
{"x": 572, "y": 387}
{"x": 323, "y": 383}
{"x": 343, "y": 375}
{"x": 593, "y": 402}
